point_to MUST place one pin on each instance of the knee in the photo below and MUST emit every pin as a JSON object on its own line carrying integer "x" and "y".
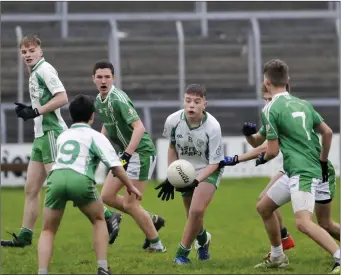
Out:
{"x": 260, "y": 196}
{"x": 260, "y": 208}
{"x": 130, "y": 206}
{"x": 301, "y": 225}
{"x": 196, "y": 213}
{"x": 108, "y": 199}
{"x": 31, "y": 190}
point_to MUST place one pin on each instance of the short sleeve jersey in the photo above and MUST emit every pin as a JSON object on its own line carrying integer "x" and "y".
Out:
{"x": 200, "y": 146}
{"x": 81, "y": 148}
{"x": 292, "y": 121}
{"x": 117, "y": 112}
{"x": 44, "y": 83}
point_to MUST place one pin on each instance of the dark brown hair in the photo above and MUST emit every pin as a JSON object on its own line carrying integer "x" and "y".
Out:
{"x": 196, "y": 89}
{"x": 277, "y": 72}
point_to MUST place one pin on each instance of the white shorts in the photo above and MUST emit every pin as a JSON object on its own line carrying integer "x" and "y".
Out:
{"x": 286, "y": 189}
{"x": 323, "y": 192}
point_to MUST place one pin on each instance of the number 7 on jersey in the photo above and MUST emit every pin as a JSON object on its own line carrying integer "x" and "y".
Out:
{"x": 302, "y": 115}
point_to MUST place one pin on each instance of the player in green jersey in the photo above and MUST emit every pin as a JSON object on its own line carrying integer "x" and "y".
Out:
{"x": 290, "y": 123}
{"x": 72, "y": 178}
{"x": 324, "y": 192}
{"x": 122, "y": 125}
{"x": 47, "y": 95}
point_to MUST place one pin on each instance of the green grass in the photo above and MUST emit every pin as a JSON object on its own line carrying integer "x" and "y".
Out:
{"x": 239, "y": 240}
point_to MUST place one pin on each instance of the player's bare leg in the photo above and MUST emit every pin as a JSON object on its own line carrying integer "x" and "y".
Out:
{"x": 266, "y": 208}
{"x": 133, "y": 207}
{"x": 52, "y": 218}
{"x": 287, "y": 240}
{"x": 36, "y": 175}
{"x": 303, "y": 206}
{"x": 199, "y": 202}
{"x": 95, "y": 213}
{"x": 324, "y": 219}
{"x": 110, "y": 196}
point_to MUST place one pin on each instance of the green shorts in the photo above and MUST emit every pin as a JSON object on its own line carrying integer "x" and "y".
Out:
{"x": 141, "y": 166}
{"x": 215, "y": 179}
{"x": 68, "y": 185}
{"x": 44, "y": 148}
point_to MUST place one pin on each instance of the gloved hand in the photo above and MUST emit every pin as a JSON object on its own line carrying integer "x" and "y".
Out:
{"x": 28, "y": 113}
{"x": 167, "y": 190}
{"x": 249, "y": 129}
{"x": 324, "y": 166}
{"x": 189, "y": 187}
{"x": 229, "y": 161}
{"x": 260, "y": 160}
{"x": 125, "y": 158}
{"x": 20, "y": 106}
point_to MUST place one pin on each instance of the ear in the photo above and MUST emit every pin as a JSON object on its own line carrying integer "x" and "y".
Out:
{"x": 205, "y": 105}
{"x": 93, "y": 79}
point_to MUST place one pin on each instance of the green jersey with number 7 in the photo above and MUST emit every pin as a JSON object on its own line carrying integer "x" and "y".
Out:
{"x": 292, "y": 121}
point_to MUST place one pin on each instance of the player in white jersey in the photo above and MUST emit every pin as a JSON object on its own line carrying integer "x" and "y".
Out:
{"x": 47, "y": 95}
{"x": 72, "y": 178}
{"x": 194, "y": 135}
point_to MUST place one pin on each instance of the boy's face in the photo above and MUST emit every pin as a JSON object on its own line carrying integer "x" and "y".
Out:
{"x": 103, "y": 80}
{"x": 31, "y": 54}
{"x": 194, "y": 105}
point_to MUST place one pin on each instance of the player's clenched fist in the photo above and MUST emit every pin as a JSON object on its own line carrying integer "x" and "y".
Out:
{"x": 249, "y": 129}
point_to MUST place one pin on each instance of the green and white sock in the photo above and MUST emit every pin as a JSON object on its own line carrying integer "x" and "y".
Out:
{"x": 107, "y": 213}
{"x": 25, "y": 234}
{"x": 182, "y": 251}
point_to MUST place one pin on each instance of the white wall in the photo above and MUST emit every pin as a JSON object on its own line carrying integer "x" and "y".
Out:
{"x": 16, "y": 153}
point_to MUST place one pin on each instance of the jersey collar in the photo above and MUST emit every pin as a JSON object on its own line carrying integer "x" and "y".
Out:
{"x": 280, "y": 94}
{"x": 201, "y": 122}
{"x": 41, "y": 61}
{"x": 80, "y": 125}
{"x": 106, "y": 99}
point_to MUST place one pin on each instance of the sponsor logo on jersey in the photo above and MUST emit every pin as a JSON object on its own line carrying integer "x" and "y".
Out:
{"x": 179, "y": 136}
{"x": 54, "y": 81}
{"x": 190, "y": 139}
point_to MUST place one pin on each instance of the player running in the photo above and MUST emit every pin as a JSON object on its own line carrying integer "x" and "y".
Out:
{"x": 122, "y": 125}
{"x": 303, "y": 164}
{"x": 195, "y": 136}
{"x": 47, "y": 95}
{"x": 72, "y": 178}
{"x": 324, "y": 192}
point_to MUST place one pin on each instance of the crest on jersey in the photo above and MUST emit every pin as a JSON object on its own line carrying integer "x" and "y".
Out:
{"x": 54, "y": 81}
{"x": 218, "y": 151}
{"x": 200, "y": 143}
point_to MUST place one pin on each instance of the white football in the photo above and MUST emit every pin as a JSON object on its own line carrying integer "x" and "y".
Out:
{"x": 181, "y": 173}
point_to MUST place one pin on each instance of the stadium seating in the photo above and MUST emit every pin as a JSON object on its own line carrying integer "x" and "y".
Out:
{"x": 149, "y": 56}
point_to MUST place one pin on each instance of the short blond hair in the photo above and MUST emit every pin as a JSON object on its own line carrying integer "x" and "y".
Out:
{"x": 30, "y": 40}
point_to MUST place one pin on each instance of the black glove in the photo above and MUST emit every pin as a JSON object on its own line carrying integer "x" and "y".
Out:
{"x": 249, "y": 129}
{"x": 125, "y": 158}
{"x": 28, "y": 113}
{"x": 229, "y": 161}
{"x": 167, "y": 190}
{"x": 260, "y": 160}
{"x": 20, "y": 106}
{"x": 189, "y": 187}
{"x": 324, "y": 166}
